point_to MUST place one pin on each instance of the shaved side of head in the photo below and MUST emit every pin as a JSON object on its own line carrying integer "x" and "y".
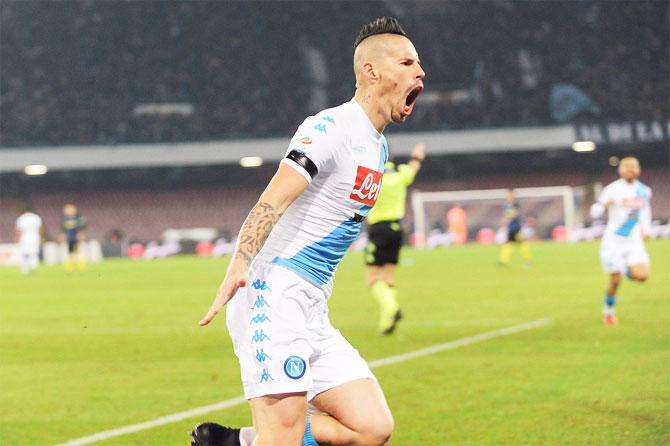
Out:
{"x": 371, "y": 50}
{"x": 373, "y": 41}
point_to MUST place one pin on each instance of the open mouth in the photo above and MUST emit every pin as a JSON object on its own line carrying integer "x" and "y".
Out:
{"x": 410, "y": 100}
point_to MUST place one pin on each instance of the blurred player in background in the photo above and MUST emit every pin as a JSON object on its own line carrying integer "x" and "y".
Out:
{"x": 512, "y": 222}
{"x": 385, "y": 237}
{"x": 29, "y": 235}
{"x": 72, "y": 227}
{"x": 627, "y": 202}
{"x": 280, "y": 277}
{"x": 457, "y": 224}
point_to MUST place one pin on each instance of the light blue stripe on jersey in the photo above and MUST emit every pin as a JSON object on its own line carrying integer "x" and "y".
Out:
{"x": 384, "y": 155}
{"x": 643, "y": 191}
{"x": 625, "y": 230}
{"x": 628, "y": 226}
{"x": 365, "y": 210}
{"x": 318, "y": 261}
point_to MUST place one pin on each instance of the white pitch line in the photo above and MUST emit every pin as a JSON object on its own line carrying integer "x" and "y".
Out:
{"x": 105, "y": 435}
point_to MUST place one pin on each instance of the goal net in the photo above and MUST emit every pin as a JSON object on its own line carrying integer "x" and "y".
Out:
{"x": 546, "y": 212}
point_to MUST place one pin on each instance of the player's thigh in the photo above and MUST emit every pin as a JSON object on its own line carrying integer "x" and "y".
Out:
{"x": 612, "y": 258}
{"x": 267, "y": 321}
{"x": 638, "y": 263}
{"x": 373, "y": 273}
{"x": 359, "y": 405}
{"x": 279, "y": 419}
{"x": 637, "y": 259}
{"x": 387, "y": 273}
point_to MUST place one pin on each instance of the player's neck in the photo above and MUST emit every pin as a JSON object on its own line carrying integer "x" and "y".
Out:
{"x": 371, "y": 109}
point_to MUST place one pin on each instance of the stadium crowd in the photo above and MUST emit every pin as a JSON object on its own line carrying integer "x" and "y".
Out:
{"x": 85, "y": 72}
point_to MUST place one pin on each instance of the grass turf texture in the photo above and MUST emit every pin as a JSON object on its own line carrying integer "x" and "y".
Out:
{"x": 119, "y": 344}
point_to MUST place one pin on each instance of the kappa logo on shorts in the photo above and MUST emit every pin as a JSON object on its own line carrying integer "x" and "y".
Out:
{"x": 259, "y": 319}
{"x": 295, "y": 367}
{"x": 368, "y": 184}
{"x": 259, "y": 336}
{"x": 265, "y": 376}
{"x": 261, "y": 356}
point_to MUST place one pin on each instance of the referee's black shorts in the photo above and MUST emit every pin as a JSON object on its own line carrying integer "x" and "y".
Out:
{"x": 384, "y": 242}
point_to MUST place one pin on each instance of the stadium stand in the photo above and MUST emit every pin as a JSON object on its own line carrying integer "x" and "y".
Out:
{"x": 145, "y": 215}
{"x": 85, "y": 72}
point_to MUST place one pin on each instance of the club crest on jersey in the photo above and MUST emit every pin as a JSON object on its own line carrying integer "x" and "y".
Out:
{"x": 367, "y": 186}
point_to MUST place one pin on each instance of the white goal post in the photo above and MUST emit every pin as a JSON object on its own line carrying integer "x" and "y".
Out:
{"x": 420, "y": 199}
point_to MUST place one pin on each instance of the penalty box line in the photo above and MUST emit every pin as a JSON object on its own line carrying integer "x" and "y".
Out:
{"x": 396, "y": 359}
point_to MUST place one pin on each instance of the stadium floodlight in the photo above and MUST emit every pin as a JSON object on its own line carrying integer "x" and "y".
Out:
{"x": 553, "y": 205}
{"x": 583, "y": 146}
{"x": 251, "y": 161}
{"x": 35, "y": 169}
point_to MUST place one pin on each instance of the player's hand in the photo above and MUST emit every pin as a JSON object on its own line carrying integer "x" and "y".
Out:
{"x": 419, "y": 152}
{"x": 236, "y": 278}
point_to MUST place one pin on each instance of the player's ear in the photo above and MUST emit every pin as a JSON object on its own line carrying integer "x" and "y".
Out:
{"x": 370, "y": 72}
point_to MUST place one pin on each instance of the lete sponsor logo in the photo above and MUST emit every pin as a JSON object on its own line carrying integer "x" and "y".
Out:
{"x": 368, "y": 184}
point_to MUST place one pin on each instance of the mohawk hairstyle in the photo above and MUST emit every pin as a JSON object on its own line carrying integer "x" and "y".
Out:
{"x": 382, "y": 25}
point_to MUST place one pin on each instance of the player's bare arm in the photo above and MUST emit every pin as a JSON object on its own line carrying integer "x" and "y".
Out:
{"x": 418, "y": 155}
{"x": 255, "y": 231}
{"x": 286, "y": 185}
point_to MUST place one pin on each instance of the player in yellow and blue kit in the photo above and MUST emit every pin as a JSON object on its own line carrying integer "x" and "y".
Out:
{"x": 72, "y": 227}
{"x": 512, "y": 219}
{"x": 385, "y": 237}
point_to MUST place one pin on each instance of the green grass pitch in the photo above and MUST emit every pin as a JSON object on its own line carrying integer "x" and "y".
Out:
{"x": 119, "y": 344}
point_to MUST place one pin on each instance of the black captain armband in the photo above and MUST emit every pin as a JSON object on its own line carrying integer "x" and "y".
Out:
{"x": 304, "y": 162}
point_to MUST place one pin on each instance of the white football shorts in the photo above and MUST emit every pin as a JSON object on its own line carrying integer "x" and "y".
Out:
{"x": 283, "y": 338}
{"x": 616, "y": 257}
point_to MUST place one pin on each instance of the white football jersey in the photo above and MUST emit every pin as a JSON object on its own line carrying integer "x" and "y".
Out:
{"x": 342, "y": 156}
{"x": 629, "y": 212}
{"x": 29, "y": 225}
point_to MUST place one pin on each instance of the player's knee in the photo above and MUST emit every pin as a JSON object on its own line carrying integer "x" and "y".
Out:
{"x": 377, "y": 432}
{"x": 639, "y": 274}
{"x": 641, "y": 277}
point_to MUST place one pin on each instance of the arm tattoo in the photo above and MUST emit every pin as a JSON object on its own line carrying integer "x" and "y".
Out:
{"x": 255, "y": 231}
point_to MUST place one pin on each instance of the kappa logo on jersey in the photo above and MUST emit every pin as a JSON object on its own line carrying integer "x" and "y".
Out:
{"x": 368, "y": 184}
{"x": 260, "y": 285}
